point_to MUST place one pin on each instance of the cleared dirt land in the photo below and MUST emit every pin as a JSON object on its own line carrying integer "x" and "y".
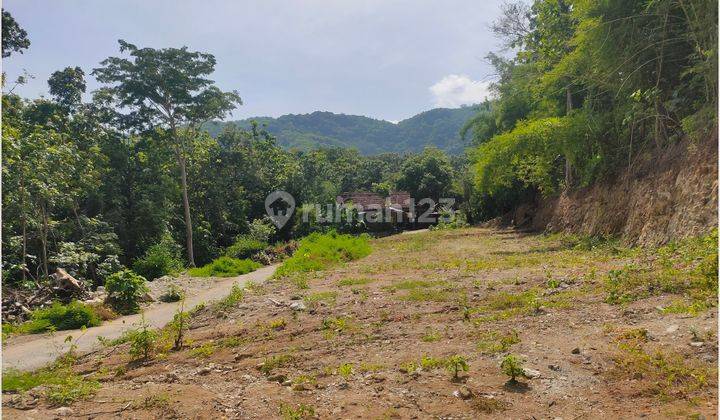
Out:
{"x": 604, "y": 331}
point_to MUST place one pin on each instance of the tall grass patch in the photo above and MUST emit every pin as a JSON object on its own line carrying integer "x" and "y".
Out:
{"x": 225, "y": 267}
{"x": 319, "y": 251}
{"x": 59, "y": 317}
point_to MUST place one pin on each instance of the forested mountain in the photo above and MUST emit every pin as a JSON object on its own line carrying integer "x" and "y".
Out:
{"x": 438, "y": 127}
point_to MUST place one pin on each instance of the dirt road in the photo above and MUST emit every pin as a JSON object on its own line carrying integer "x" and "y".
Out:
{"x": 35, "y": 353}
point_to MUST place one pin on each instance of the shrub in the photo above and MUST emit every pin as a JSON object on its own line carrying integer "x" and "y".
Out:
{"x": 511, "y": 365}
{"x": 225, "y": 267}
{"x": 456, "y": 364}
{"x": 143, "y": 341}
{"x": 173, "y": 294}
{"x": 261, "y": 230}
{"x": 159, "y": 260}
{"x": 125, "y": 288}
{"x": 61, "y": 317}
{"x": 319, "y": 251}
{"x": 178, "y": 326}
{"x": 245, "y": 246}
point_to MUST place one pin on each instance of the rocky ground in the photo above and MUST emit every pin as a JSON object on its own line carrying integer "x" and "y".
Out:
{"x": 372, "y": 339}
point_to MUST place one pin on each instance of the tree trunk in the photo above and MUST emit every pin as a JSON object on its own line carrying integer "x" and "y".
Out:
{"x": 180, "y": 156}
{"x": 44, "y": 239}
{"x": 186, "y": 208}
{"x": 23, "y": 223}
{"x": 568, "y": 167}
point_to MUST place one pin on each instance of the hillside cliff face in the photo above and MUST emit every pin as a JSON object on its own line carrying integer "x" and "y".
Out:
{"x": 669, "y": 197}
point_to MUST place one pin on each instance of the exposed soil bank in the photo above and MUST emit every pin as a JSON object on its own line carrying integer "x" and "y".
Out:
{"x": 661, "y": 198}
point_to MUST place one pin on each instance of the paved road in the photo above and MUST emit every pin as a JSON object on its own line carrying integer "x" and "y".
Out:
{"x": 36, "y": 353}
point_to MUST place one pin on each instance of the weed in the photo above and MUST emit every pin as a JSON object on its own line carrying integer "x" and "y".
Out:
{"x": 687, "y": 267}
{"x": 63, "y": 385}
{"x": 487, "y": 405}
{"x": 301, "y": 412}
{"x": 161, "y": 400}
{"x": 493, "y": 342}
{"x": 173, "y": 294}
{"x": 204, "y": 351}
{"x": 506, "y": 305}
{"x": 315, "y": 298}
{"x": 669, "y": 375}
{"x": 640, "y": 334}
{"x": 355, "y": 281}
{"x": 370, "y": 367}
{"x": 277, "y": 324}
{"x": 431, "y": 363}
{"x": 160, "y": 259}
{"x": 232, "y": 342}
{"x": 692, "y": 308}
{"x": 245, "y": 246}
{"x": 408, "y": 367}
{"x": 228, "y": 302}
{"x": 512, "y": 366}
{"x": 255, "y": 288}
{"x": 363, "y": 294}
{"x": 273, "y": 362}
{"x": 303, "y": 382}
{"x": 553, "y": 283}
{"x": 415, "y": 284}
{"x": 431, "y": 336}
{"x": 345, "y": 370}
{"x": 339, "y": 325}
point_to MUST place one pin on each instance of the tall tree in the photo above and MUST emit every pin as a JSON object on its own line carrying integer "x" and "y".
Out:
{"x": 67, "y": 86}
{"x": 167, "y": 90}
{"x": 14, "y": 38}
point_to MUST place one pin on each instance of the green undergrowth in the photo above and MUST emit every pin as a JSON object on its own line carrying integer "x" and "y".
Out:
{"x": 687, "y": 268}
{"x": 667, "y": 375}
{"x": 62, "y": 385}
{"x": 319, "y": 251}
{"x": 225, "y": 267}
{"x": 56, "y": 317}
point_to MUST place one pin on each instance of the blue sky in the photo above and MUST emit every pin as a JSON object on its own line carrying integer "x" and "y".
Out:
{"x": 385, "y": 59}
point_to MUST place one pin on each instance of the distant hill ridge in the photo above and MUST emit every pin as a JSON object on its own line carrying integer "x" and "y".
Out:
{"x": 437, "y": 127}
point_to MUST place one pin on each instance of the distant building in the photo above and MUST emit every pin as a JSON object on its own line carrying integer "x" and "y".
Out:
{"x": 396, "y": 211}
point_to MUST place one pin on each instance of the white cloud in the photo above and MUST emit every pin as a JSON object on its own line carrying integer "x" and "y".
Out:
{"x": 454, "y": 90}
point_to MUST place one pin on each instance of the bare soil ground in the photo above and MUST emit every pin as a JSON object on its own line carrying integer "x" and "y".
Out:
{"x": 372, "y": 338}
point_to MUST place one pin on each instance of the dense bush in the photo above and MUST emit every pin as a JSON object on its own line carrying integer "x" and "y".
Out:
{"x": 526, "y": 154}
{"x": 261, "y": 230}
{"x": 245, "y": 246}
{"x": 320, "y": 250}
{"x": 125, "y": 288}
{"x": 159, "y": 260}
{"x": 61, "y": 317}
{"x": 225, "y": 267}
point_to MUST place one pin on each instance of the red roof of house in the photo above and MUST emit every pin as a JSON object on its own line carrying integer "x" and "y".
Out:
{"x": 395, "y": 199}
